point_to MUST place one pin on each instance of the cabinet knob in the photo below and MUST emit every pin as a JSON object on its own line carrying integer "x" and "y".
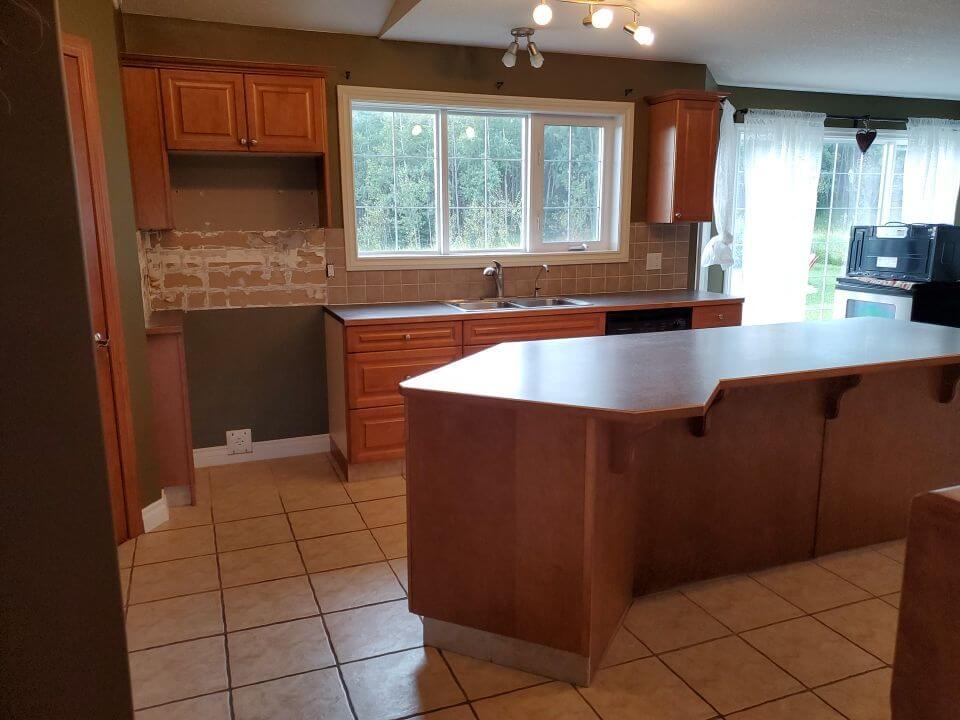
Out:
{"x": 243, "y": 141}
{"x": 407, "y": 336}
{"x": 719, "y": 316}
{"x": 678, "y": 215}
{"x": 254, "y": 141}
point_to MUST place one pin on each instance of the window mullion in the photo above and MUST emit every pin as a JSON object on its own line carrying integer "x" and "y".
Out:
{"x": 443, "y": 175}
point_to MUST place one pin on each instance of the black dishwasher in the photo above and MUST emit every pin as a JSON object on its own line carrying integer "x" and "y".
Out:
{"x": 627, "y": 322}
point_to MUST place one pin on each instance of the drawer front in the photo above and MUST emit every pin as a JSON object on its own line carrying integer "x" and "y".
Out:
{"x": 709, "y": 316}
{"x": 377, "y": 434}
{"x": 373, "y": 378}
{"x": 366, "y": 338}
{"x": 496, "y": 330}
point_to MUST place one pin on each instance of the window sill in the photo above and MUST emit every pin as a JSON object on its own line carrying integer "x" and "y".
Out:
{"x": 473, "y": 261}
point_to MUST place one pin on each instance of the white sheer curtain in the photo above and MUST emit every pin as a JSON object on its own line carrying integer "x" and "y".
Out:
{"x": 719, "y": 251}
{"x": 931, "y": 174}
{"x": 782, "y": 153}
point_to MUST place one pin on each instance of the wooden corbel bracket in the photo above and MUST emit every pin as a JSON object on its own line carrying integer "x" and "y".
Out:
{"x": 700, "y": 426}
{"x": 949, "y": 380}
{"x": 836, "y": 388}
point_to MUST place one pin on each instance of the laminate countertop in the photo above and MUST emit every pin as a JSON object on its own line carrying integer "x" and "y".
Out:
{"x": 427, "y": 311}
{"x": 678, "y": 374}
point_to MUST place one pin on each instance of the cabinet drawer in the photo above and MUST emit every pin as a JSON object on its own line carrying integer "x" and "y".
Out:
{"x": 373, "y": 377}
{"x": 402, "y": 337}
{"x": 709, "y": 316}
{"x": 496, "y": 330}
{"x": 377, "y": 434}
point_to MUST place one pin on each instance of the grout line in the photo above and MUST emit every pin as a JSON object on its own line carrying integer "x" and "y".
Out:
{"x": 226, "y": 645}
{"x": 185, "y": 699}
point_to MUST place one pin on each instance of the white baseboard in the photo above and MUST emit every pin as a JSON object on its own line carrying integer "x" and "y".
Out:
{"x": 263, "y": 450}
{"x": 155, "y": 514}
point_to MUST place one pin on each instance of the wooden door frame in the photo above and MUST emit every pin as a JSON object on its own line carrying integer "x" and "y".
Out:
{"x": 81, "y": 49}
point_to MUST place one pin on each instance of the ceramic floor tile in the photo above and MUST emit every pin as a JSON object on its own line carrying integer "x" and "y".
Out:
{"x": 389, "y": 511}
{"x": 254, "y": 532}
{"x": 480, "y": 679}
{"x": 392, "y": 540}
{"x": 875, "y": 573}
{"x": 623, "y": 648}
{"x": 338, "y": 551}
{"x": 237, "y": 474}
{"x": 175, "y": 672}
{"x": 400, "y": 684}
{"x": 460, "y": 712}
{"x": 399, "y": 566}
{"x": 273, "y": 651}
{"x": 207, "y": 707}
{"x": 303, "y": 467}
{"x": 555, "y": 701}
{"x": 871, "y": 624}
{"x": 731, "y": 675}
{"x": 644, "y": 689}
{"x": 361, "y": 490}
{"x": 325, "y": 521}
{"x": 270, "y": 562}
{"x": 741, "y": 603}
{"x": 125, "y": 553}
{"x": 317, "y": 695}
{"x": 892, "y": 599}
{"x": 186, "y": 516}
{"x": 307, "y": 494}
{"x": 269, "y": 602}
{"x": 810, "y": 651}
{"x": 669, "y": 621}
{"x": 374, "y": 630}
{"x": 865, "y": 697}
{"x": 175, "y": 544}
{"x": 809, "y": 586}
{"x": 125, "y": 574}
{"x": 248, "y": 502}
{"x": 355, "y": 586}
{"x": 895, "y": 550}
{"x": 796, "y": 707}
{"x": 173, "y": 620}
{"x": 172, "y": 578}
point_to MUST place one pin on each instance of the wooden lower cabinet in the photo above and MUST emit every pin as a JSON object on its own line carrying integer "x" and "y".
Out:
{"x": 403, "y": 336}
{"x": 376, "y": 434}
{"x": 474, "y": 349}
{"x": 708, "y": 316}
{"x": 373, "y": 378}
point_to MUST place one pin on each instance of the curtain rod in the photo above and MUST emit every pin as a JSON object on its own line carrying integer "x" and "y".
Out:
{"x": 852, "y": 118}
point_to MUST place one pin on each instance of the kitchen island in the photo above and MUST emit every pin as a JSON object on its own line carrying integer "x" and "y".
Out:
{"x": 550, "y": 482}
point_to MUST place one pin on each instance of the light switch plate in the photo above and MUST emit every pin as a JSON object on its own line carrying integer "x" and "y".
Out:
{"x": 654, "y": 261}
{"x": 239, "y": 441}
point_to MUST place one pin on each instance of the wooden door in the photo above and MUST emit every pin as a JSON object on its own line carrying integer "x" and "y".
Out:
{"x": 698, "y": 123}
{"x": 204, "y": 110}
{"x": 285, "y": 113}
{"x": 97, "y": 238}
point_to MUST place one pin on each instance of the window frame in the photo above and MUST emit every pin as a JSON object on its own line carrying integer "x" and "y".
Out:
{"x": 616, "y": 182}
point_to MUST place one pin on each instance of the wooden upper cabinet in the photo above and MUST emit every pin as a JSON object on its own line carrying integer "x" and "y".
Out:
{"x": 204, "y": 110}
{"x": 684, "y": 131}
{"x": 149, "y": 168}
{"x": 285, "y": 113}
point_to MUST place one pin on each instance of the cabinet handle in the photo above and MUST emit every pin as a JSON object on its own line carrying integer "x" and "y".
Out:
{"x": 243, "y": 141}
{"x": 254, "y": 141}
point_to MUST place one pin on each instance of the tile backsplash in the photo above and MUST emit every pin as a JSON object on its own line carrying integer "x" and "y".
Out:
{"x": 192, "y": 270}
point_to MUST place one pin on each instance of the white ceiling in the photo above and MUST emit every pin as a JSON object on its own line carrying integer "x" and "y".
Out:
{"x": 881, "y": 47}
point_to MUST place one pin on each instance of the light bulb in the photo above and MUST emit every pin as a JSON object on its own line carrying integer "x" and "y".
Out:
{"x": 643, "y": 35}
{"x": 536, "y": 57}
{"x": 542, "y": 13}
{"x": 601, "y": 18}
{"x": 509, "y": 58}
{"x": 470, "y": 132}
{"x": 416, "y": 130}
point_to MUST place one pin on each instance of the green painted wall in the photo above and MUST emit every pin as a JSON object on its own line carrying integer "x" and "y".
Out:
{"x": 96, "y": 21}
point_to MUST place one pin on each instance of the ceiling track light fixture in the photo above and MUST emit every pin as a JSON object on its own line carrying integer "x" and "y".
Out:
{"x": 600, "y": 16}
{"x": 519, "y": 34}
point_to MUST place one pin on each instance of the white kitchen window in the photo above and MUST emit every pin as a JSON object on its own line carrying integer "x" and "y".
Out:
{"x": 443, "y": 179}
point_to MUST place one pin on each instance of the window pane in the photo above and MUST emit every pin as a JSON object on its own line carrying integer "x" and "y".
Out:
{"x": 572, "y": 169}
{"x": 395, "y": 186}
{"x": 485, "y": 182}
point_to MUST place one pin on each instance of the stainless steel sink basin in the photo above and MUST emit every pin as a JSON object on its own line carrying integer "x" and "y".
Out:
{"x": 515, "y": 303}
{"x": 546, "y": 302}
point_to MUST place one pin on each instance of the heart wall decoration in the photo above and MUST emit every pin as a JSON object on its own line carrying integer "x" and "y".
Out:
{"x": 865, "y": 136}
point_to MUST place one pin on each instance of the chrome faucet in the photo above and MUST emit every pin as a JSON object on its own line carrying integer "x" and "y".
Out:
{"x": 536, "y": 283}
{"x": 495, "y": 271}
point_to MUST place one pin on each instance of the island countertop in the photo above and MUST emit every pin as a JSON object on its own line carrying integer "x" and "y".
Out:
{"x": 677, "y": 374}
{"x": 604, "y": 302}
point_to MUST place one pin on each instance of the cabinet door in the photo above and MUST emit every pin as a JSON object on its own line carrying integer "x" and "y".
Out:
{"x": 285, "y": 114}
{"x": 698, "y": 124}
{"x": 204, "y": 110}
{"x": 377, "y": 434}
{"x": 374, "y": 378}
{"x": 708, "y": 316}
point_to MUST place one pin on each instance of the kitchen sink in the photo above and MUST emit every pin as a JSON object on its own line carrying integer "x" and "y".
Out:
{"x": 515, "y": 303}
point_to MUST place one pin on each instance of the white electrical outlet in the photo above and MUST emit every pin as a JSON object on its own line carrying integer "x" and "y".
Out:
{"x": 239, "y": 441}
{"x": 654, "y": 261}
{"x": 331, "y": 271}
